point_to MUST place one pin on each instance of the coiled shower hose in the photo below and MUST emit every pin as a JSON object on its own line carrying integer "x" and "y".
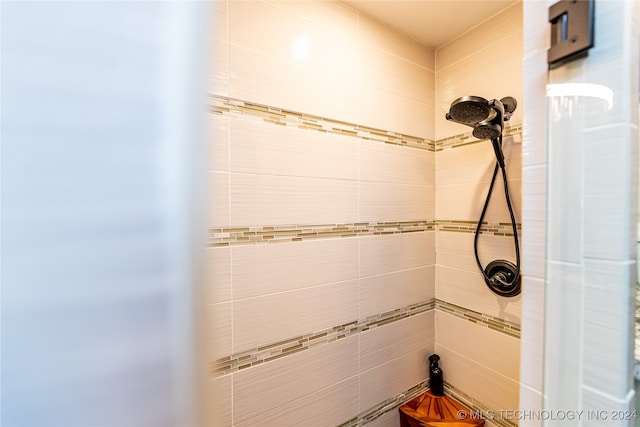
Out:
{"x": 497, "y": 282}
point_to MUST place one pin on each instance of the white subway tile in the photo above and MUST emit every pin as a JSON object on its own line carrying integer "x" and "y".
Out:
{"x": 565, "y": 201}
{"x": 388, "y": 72}
{"x": 491, "y": 349}
{"x": 464, "y": 202}
{"x": 218, "y": 406}
{"x": 475, "y": 163}
{"x": 476, "y": 75}
{"x": 509, "y": 22}
{"x": 219, "y": 68}
{"x": 455, "y": 250}
{"x": 218, "y": 201}
{"x": 536, "y": 37}
{"x": 388, "y": 253}
{"x": 530, "y": 407}
{"x": 534, "y": 188}
{"x": 269, "y": 268}
{"x": 394, "y": 377}
{"x": 389, "y": 419}
{"x": 600, "y": 410}
{"x": 219, "y": 50}
{"x": 272, "y": 318}
{"x": 217, "y": 274}
{"x": 333, "y": 17}
{"x": 219, "y": 331}
{"x": 490, "y": 388}
{"x": 607, "y": 188}
{"x": 382, "y": 344}
{"x": 261, "y": 148}
{"x": 280, "y": 382}
{"x": 373, "y": 34}
{"x": 534, "y": 247}
{"x": 286, "y": 60}
{"x": 609, "y": 318}
{"x": 385, "y": 292}
{"x": 218, "y": 147}
{"x": 275, "y": 200}
{"x": 330, "y": 406}
{"x": 382, "y": 162}
{"x": 468, "y": 289}
{"x": 381, "y": 109}
{"x": 534, "y": 212}
{"x": 383, "y": 201}
{"x": 532, "y": 335}
{"x": 563, "y": 332}
{"x": 534, "y": 130}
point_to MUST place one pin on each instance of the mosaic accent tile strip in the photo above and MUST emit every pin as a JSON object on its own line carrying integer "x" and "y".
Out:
{"x": 388, "y": 405}
{"x": 477, "y": 408}
{"x": 282, "y": 117}
{"x": 494, "y": 416}
{"x": 497, "y": 229}
{"x": 269, "y": 352}
{"x": 491, "y": 322}
{"x": 467, "y": 138}
{"x": 227, "y": 236}
{"x": 257, "y": 356}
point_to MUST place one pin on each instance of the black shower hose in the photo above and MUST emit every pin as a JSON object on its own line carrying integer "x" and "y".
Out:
{"x": 513, "y": 222}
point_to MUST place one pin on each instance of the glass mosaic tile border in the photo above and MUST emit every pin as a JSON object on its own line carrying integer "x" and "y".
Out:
{"x": 494, "y": 228}
{"x": 499, "y": 325}
{"x": 257, "y": 356}
{"x": 495, "y": 416}
{"x": 229, "y": 236}
{"x": 279, "y": 116}
{"x": 467, "y": 138}
{"x": 388, "y": 405}
{"x": 391, "y": 404}
{"x": 283, "y": 117}
{"x": 276, "y": 350}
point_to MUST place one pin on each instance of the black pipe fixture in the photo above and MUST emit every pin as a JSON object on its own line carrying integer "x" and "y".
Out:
{"x": 487, "y": 119}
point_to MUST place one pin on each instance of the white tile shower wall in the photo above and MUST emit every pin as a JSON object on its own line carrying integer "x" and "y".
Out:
{"x": 395, "y": 82}
{"x": 325, "y": 60}
{"x": 591, "y": 277}
{"x": 219, "y": 69}
{"x": 486, "y": 61}
{"x": 534, "y": 203}
{"x": 463, "y": 177}
{"x": 283, "y": 54}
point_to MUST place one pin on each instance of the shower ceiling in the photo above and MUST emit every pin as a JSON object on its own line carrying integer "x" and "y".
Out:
{"x": 431, "y": 22}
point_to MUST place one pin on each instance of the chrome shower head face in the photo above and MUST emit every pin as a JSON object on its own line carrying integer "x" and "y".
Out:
{"x": 469, "y": 110}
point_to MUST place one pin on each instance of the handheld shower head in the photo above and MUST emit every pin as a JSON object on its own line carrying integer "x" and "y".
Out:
{"x": 485, "y": 117}
{"x": 492, "y": 131}
{"x": 487, "y": 120}
{"x": 487, "y": 130}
